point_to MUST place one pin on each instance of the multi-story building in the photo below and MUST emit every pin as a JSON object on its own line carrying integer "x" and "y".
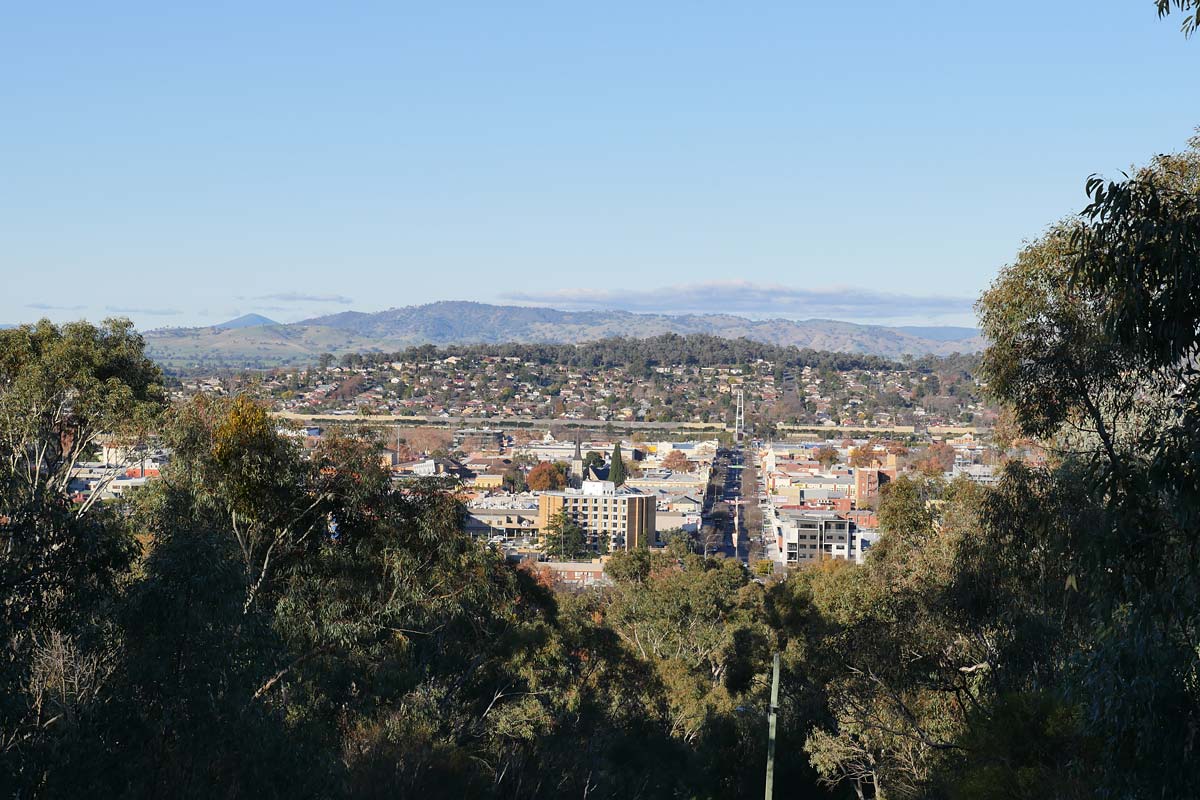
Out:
{"x": 662, "y": 480}
{"x": 574, "y": 574}
{"x": 480, "y": 440}
{"x": 509, "y": 523}
{"x": 806, "y": 488}
{"x": 806, "y": 537}
{"x": 980, "y": 473}
{"x": 621, "y": 517}
{"x": 867, "y": 483}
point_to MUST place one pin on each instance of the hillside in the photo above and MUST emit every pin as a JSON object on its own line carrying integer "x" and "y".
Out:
{"x": 247, "y": 321}
{"x": 456, "y": 322}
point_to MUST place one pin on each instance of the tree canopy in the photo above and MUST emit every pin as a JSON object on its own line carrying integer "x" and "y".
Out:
{"x": 616, "y": 466}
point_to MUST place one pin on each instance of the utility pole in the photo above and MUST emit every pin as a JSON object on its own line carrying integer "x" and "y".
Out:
{"x": 771, "y": 714}
{"x": 737, "y": 507}
{"x": 739, "y": 422}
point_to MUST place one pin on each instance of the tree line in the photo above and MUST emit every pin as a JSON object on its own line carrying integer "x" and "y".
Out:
{"x": 668, "y": 349}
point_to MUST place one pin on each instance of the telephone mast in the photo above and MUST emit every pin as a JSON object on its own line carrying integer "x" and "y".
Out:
{"x": 739, "y": 423}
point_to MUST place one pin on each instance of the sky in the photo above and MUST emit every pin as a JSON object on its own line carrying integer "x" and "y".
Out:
{"x": 184, "y": 163}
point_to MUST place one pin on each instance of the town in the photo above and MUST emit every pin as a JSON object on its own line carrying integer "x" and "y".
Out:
{"x": 777, "y": 464}
{"x": 689, "y": 384}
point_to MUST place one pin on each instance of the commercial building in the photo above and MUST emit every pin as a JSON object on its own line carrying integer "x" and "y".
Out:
{"x": 573, "y": 575}
{"x": 488, "y": 480}
{"x": 806, "y": 537}
{"x": 980, "y": 473}
{"x": 480, "y": 440}
{"x": 509, "y": 523}
{"x": 621, "y": 517}
{"x": 867, "y": 483}
{"x": 672, "y": 483}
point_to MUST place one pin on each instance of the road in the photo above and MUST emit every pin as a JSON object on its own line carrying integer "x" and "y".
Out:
{"x": 718, "y": 532}
{"x": 416, "y": 419}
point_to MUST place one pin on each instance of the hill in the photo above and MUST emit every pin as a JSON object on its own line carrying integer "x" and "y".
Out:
{"x": 246, "y": 321}
{"x": 457, "y": 322}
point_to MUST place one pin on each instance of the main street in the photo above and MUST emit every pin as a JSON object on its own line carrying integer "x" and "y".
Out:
{"x": 717, "y": 533}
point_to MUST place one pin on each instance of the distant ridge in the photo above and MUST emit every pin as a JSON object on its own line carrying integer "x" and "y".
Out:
{"x": 246, "y": 321}
{"x": 264, "y": 343}
{"x": 947, "y": 333}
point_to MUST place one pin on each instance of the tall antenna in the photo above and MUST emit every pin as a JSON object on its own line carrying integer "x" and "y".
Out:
{"x": 739, "y": 423}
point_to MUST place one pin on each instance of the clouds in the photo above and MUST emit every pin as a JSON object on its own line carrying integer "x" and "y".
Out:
{"x": 297, "y": 297}
{"x": 156, "y": 311}
{"x": 149, "y": 312}
{"x": 744, "y": 297}
{"x": 51, "y": 307}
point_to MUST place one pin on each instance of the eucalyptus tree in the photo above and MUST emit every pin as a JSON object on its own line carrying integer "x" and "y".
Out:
{"x": 1190, "y": 20}
{"x": 1095, "y": 332}
{"x": 64, "y": 393}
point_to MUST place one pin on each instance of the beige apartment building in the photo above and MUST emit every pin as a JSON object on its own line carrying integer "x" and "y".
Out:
{"x": 621, "y": 517}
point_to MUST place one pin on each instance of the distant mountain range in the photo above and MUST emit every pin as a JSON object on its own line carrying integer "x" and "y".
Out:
{"x": 253, "y": 340}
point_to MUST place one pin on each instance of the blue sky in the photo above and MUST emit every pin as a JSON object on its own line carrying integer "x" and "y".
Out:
{"x": 871, "y": 161}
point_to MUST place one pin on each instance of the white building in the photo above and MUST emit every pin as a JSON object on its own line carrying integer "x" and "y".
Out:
{"x": 807, "y": 537}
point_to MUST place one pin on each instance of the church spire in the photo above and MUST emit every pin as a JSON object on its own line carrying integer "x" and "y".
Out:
{"x": 577, "y": 475}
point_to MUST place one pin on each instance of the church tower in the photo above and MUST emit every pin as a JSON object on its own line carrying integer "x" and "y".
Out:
{"x": 577, "y": 462}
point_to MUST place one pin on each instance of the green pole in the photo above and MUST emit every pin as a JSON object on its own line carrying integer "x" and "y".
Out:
{"x": 771, "y": 714}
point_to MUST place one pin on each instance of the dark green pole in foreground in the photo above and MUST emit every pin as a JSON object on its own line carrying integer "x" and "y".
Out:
{"x": 771, "y": 714}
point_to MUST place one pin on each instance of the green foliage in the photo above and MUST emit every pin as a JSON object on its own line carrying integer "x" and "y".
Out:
{"x": 1095, "y": 331}
{"x": 564, "y": 540}
{"x": 1190, "y": 21}
{"x": 1037, "y": 638}
{"x": 514, "y": 480}
{"x": 593, "y": 460}
{"x": 640, "y": 356}
{"x": 63, "y": 392}
{"x": 1029, "y": 746}
{"x": 616, "y": 467}
{"x": 827, "y": 456}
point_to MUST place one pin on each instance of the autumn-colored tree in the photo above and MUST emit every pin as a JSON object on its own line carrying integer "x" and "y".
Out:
{"x": 545, "y": 477}
{"x": 426, "y": 440}
{"x": 524, "y": 436}
{"x": 676, "y": 461}
{"x": 937, "y": 459}
{"x": 827, "y": 456}
{"x": 867, "y": 454}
